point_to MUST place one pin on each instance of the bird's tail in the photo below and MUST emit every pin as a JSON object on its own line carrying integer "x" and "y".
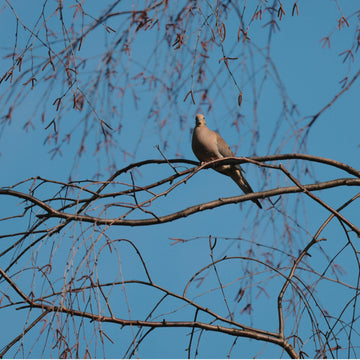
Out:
{"x": 239, "y": 178}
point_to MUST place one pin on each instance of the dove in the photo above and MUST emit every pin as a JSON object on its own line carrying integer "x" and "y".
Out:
{"x": 208, "y": 145}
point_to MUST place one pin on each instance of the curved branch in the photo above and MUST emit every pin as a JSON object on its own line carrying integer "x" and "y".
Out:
{"x": 178, "y": 324}
{"x": 242, "y": 160}
{"x": 204, "y": 206}
{"x": 230, "y": 160}
{"x": 238, "y": 332}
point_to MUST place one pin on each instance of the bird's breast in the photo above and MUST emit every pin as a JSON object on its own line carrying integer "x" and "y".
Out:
{"x": 204, "y": 147}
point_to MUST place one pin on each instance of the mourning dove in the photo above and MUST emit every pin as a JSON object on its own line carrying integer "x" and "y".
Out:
{"x": 208, "y": 145}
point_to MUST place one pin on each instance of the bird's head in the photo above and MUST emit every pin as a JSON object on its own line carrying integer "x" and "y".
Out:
{"x": 200, "y": 120}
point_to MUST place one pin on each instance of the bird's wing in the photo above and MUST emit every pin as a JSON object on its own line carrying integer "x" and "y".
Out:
{"x": 223, "y": 147}
{"x": 225, "y": 151}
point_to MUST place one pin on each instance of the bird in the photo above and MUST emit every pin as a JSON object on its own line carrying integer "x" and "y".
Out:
{"x": 208, "y": 145}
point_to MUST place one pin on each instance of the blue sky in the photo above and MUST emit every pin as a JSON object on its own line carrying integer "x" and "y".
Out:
{"x": 310, "y": 74}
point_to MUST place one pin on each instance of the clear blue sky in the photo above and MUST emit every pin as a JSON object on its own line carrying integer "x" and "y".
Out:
{"x": 310, "y": 74}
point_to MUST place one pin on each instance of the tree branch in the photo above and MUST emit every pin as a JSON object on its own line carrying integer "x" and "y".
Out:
{"x": 200, "y": 207}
